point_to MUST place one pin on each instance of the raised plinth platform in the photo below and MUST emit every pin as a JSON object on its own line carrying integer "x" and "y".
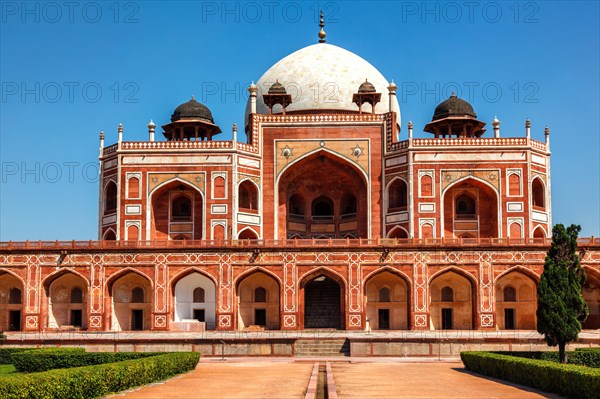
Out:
{"x": 299, "y": 344}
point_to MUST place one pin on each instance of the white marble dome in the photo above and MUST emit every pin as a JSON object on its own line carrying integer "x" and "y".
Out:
{"x": 323, "y": 77}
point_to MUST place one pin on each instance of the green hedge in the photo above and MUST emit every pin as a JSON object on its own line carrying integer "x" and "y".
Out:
{"x": 48, "y": 359}
{"x": 5, "y": 354}
{"x": 96, "y": 381}
{"x": 565, "y": 379}
{"x": 587, "y": 357}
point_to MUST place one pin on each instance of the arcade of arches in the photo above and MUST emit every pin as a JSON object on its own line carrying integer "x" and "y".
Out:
{"x": 316, "y": 298}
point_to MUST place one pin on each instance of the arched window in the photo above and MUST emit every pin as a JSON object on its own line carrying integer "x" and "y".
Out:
{"x": 137, "y": 295}
{"x": 247, "y": 234}
{"x": 133, "y": 187}
{"x": 426, "y": 186}
{"x": 510, "y": 294}
{"x": 14, "y": 296}
{"x": 248, "y": 196}
{"x": 447, "y": 294}
{"x": 514, "y": 184}
{"x": 385, "y": 295}
{"x": 348, "y": 206}
{"x": 76, "y": 295}
{"x": 110, "y": 198}
{"x": 397, "y": 196}
{"x": 181, "y": 209}
{"x": 322, "y": 208}
{"x": 537, "y": 194}
{"x": 110, "y": 236}
{"x": 539, "y": 233}
{"x": 398, "y": 233}
{"x": 219, "y": 186}
{"x": 465, "y": 207}
{"x": 260, "y": 295}
{"x": 296, "y": 207}
{"x": 515, "y": 230}
{"x": 198, "y": 295}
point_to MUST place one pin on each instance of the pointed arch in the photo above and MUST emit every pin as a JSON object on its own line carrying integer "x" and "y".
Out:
{"x": 7, "y": 271}
{"x": 184, "y": 273}
{"x": 538, "y": 193}
{"x": 497, "y": 232}
{"x": 109, "y": 234}
{"x": 49, "y": 279}
{"x": 110, "y": 280}
{"x": 398, "y": 230}
{"x": 539, "y": 232}
{"x": 519, "y": 269}
{"x": 247, "y": 231}
{"x": 396, "y": 194}
{"x": 334, "y": 155}
{"x": 397, "y": 272}
{"x": 322, "y": 270}
{"x": 248, "y": 195}
{"x": 472, "y": 279}
{"x": 256, "y": 269}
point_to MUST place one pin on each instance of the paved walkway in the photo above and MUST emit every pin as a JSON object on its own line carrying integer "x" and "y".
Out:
{"x": 355, "y": 378}
{"x": 421, "y": 380}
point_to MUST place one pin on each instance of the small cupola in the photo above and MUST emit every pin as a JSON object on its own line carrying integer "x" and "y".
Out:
{"x": 455, "y": 117}
{"x": 366, "y": 94}
{"x": 277, "y": 95}
{"x": 191, "y": 121}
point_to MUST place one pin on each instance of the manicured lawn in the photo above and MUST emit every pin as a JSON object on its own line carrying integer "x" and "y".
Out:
{"x": 7, "y": 369}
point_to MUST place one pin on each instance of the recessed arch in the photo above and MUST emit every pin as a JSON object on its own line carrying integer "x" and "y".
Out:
{"x": 516, "y": 300}
{"x": 398, "y": 232}
{"x": 248, "y": 195}
{"x": 184, "y": 273}
{"x": 392, "y": 314}
{"x": 130, "y": 308}
{"x": 591, "y": 294}
{"x": 63, "y": 309}
{"x": 160, "y": 226}
{"x": 486, "y": 223}
{"x": 322, "y": 172}
{"x": 109, "y": 235}
{"x": 247, "y": 233}
{"x": 396, "y": 195}
{"x": 538, "y": 193}
{"x": 184, "y": 288}
{"x": 322, "y": 298}
{"x": 461, "y": 311}
{"x": 539, "y": 232}
{"x": 256, "y": 269}
{"x": 258, "y": 293}
{"x": 13, "y": 300}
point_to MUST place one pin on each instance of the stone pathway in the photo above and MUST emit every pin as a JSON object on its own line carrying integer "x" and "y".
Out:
{"x": 354, "y": 378}
{"x": 231, "y": 379}
{"x": 422, "y": 380}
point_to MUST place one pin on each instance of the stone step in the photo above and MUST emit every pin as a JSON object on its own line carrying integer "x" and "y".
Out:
{"x": 322, "y": 347}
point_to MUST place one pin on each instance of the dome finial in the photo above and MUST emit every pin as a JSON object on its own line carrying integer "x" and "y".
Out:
{"x": 193, "y": 99}
{"x": 453, "y": 94}
{"x": 322, "y": 33}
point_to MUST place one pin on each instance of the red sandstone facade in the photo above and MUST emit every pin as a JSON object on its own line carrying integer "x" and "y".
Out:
{"x": 325, "y": 217}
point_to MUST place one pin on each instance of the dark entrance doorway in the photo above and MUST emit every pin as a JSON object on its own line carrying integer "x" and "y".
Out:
{"x": 384, "y": 319}
{"x": 76, "y": 317}
{"x": 322, "y": 303}
{"x": 446, "y": 319}
{"x": 137, "y": 319}
{"x": 509, "y": 319}
{"x": 260, "y": 317}
{"x": 14, "y": 320}
{"x": 199, "y": 315}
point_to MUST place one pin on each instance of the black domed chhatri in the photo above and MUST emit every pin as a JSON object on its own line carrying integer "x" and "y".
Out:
{"x": 192, "y": 110}
{"x": 366, "y": 87}
{"x": 277, "y": 88}
{"x": 453, "y": 106}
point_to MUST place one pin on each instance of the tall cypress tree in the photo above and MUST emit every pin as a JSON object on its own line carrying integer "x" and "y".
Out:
{"x": 561, "y": 307}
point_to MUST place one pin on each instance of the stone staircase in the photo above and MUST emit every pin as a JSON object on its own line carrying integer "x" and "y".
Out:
{"x": 322, "y": 347}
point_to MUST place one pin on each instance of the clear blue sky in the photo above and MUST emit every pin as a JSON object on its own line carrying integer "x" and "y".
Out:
{"x": 69, "y": 71}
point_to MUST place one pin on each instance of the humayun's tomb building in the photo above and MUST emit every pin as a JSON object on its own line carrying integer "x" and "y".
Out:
{"x": 327, "y": 215}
